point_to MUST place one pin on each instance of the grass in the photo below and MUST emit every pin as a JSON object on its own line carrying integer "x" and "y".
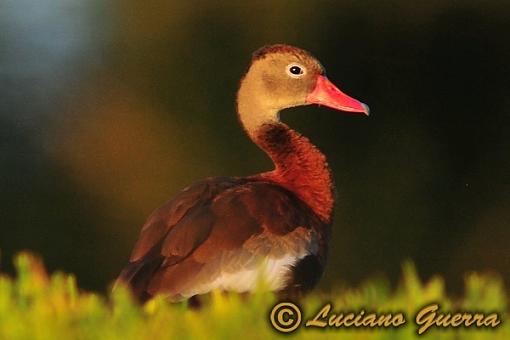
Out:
{"x": 34, "y": 305}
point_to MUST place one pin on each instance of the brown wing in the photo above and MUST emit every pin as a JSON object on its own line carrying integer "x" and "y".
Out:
{"x": 217, "y": 226}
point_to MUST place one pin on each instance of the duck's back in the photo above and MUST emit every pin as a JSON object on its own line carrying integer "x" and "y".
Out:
{"x": 223, "y": 233}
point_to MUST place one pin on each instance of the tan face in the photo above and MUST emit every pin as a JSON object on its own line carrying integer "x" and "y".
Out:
{"x": 285, "y": 78}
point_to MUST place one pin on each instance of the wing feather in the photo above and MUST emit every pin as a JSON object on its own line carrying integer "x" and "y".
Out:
{"x": 216, "y": 228}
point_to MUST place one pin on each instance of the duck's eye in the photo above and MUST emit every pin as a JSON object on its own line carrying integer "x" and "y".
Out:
{"x": 295, "y": 70}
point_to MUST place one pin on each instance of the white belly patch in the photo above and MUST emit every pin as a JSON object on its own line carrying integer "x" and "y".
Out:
{"x": 270, "y": 274}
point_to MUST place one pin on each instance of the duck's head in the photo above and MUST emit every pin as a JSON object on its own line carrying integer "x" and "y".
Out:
{"x": 283, "y": 76}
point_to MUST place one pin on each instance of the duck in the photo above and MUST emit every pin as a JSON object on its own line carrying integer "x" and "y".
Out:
{"x": 229, "y": 233}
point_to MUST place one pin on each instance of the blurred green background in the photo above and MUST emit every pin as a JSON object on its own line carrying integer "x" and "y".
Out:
{"x": 109, "y": 108}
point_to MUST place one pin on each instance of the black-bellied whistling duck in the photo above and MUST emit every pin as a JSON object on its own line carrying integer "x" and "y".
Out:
{"x": 228, "y": 233}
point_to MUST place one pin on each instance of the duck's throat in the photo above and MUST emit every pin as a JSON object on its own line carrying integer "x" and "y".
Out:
{"x": 299, "y": 166}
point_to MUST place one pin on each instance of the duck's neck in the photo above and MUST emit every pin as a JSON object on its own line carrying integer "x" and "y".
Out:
{"x": 299, "y": 166}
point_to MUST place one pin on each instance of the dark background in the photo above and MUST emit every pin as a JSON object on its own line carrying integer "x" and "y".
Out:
{"x": 109, "y": 108}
